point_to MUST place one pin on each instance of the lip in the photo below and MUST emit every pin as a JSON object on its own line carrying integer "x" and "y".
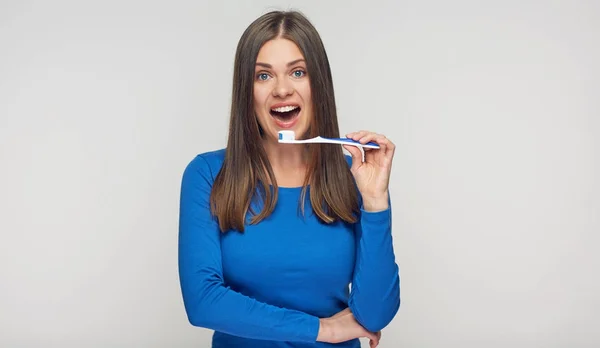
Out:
{"x": 278, "y": 105}
{"x": 289, "y": 124}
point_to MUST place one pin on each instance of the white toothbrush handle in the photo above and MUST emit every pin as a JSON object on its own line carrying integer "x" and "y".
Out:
{"x": 321, "y": 140}
{"x": 340, "y": 142}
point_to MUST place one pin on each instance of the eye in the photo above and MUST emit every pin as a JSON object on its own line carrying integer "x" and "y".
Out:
{"x": 299, "y": 73}
{"x": 262, "y": 76}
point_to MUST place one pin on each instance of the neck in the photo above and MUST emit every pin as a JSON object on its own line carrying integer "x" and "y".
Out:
{"x": 289, "y": 162}
{"x": 286, "y": 156}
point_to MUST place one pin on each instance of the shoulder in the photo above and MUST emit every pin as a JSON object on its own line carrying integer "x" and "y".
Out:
{"x": 206, "y": 164}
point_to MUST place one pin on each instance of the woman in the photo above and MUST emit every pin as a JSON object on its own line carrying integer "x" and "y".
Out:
{"x": 272, "y": 235}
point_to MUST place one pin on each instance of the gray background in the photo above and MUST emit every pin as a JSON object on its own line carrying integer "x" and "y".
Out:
{"x": 493, "y": 105}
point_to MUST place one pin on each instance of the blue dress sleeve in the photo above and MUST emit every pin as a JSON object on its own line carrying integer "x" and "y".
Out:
{"x": 208, "y": 301}
{"x": 375, "y": 292}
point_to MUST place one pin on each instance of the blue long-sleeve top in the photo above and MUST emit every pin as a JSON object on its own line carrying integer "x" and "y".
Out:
{"x": 268, "y": 286}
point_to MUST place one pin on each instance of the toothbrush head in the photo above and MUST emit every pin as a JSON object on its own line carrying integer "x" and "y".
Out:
{"x": 287, "y": 135}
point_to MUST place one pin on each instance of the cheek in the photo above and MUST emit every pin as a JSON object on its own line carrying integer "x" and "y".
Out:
{"x": 256, "y": 97}
{"x": 305, "y": 92}
{"x": 307, "y": 99}
{"x": 260, "y": 97}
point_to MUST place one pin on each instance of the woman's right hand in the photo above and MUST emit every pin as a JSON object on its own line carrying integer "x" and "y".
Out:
{"x": 343, "y": 327}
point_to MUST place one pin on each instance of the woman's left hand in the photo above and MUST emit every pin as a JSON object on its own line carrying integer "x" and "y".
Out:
{"x": 373, "y": 175}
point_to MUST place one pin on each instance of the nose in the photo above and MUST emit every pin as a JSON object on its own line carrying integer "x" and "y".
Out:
{"x": 283, "y": 88}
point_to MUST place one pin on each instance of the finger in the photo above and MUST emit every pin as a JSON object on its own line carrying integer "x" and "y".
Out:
{"x": 386, "y": 146}
{"x": 361, "y": 134}
{"x": 371, "y": 336}
{"x": 357, "y": 135}
{"x": 390, "y": 147}
{"x": 374, "y": 137}
{"x": 378, "y": 139}
{"x": 374, "y": 341}
{"x": 365, "y": 134}
{"x": 356, "y": 156}
{"x": 352, "y": 134}
{"x": 364, "y": 137}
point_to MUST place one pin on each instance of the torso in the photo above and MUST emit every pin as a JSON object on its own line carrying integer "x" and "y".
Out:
{"x": 291, "y": 261}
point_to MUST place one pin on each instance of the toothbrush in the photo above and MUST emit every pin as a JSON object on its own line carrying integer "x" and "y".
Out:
{"x": 289, "y": 137}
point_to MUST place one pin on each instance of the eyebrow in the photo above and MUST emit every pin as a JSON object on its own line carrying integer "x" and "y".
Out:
{"x": 269, "y": 66}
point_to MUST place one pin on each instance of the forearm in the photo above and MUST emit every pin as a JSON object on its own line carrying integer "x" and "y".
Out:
{"x": 208, "y": 302}
{"x": 375, "y": 295}
{"x": 219, "y": 308}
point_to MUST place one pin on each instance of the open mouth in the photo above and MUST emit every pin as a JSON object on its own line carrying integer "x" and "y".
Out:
{"x": 285, "y": 114}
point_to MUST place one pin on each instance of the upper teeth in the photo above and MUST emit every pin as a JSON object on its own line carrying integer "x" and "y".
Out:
{"x": 285, "y": 108}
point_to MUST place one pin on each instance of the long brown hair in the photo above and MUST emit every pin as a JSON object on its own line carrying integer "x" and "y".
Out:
{"x": 246, "y": 170}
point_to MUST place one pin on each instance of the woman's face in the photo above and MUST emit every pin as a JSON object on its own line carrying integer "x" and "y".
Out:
{"x": 282, "y": 98}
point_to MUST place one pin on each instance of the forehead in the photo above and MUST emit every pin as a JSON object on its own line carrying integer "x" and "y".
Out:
{"x": 279, "y": 52}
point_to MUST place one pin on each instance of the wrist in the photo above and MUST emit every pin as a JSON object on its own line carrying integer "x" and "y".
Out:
{"x": 375, "y": 203}
{"x": 325, "y": 330}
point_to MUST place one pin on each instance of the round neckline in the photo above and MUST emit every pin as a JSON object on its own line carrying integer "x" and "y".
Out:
{"x": 290, "y": 188}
